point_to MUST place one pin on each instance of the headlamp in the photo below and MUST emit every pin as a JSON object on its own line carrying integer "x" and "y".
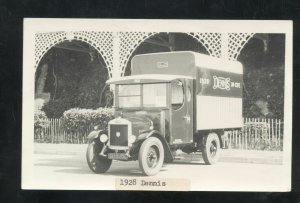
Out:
{"x": 103, "y": 138}
{"x": 131, "y": 139}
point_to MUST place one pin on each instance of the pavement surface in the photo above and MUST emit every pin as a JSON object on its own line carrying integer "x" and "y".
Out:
{"x": 54, "y": 171}
{"x": 227, "y": 155}
{"x": 64, "y": 166}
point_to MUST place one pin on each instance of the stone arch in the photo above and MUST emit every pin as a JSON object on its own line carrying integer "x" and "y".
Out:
{"x": 129, "y": 41}
{"x": 101, "y": 41}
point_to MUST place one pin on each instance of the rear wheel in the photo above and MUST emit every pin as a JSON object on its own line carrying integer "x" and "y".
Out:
{"x": 211, "y": 148}
{"x": 151, "y": 156}
{"x": 97, "y": 163}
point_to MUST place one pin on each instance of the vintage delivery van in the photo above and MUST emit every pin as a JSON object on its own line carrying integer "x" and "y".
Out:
{"x": 171, "y": 101}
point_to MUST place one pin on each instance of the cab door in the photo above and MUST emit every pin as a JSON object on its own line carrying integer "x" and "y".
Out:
{"x": 181, "y": 111}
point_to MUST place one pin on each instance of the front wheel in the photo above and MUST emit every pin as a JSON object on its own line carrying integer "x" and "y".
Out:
{"x": 211, "y": 148}
{"x": 97, "y": 163}
{"x": 151, "y": 156}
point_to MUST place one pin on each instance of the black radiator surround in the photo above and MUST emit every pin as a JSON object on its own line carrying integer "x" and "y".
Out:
{"x": 122, "y": 140}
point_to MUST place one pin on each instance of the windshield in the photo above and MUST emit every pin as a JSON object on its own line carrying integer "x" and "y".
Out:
{"x": 142, "y": 95}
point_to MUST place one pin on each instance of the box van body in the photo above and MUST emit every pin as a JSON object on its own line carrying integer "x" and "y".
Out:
{"x": 181, "y": 100}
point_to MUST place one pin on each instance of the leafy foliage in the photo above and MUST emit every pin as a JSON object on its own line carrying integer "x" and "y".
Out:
{"x": 74, "y": 80}
{"x": 56, "y": 108}
{"x": 264, "y": 86}
{"x": 79, "y": 120}
{"x": 263, "y": 77}
{"x": 40, "y": 120}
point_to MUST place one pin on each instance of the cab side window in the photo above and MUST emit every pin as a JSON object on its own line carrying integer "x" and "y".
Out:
{"x": 177, "y": 97}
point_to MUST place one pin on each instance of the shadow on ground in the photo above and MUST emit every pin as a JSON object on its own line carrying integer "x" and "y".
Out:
{"x": 74, "y": 165}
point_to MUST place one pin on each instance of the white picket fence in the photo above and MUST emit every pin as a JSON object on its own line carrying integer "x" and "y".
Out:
{"x": 55, "y": 133}
{"x": 261, "y": 134}
{"x": 257, "y": 133}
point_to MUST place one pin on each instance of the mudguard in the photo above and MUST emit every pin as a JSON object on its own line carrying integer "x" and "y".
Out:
{"x": 95, "y": 133}
{"x": 168, "y": 154}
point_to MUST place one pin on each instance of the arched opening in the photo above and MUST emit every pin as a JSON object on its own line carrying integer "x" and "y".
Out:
{"x": 263, "y": 60}
{"x": 71, "y": 74}
{"x": 166, "y": 42}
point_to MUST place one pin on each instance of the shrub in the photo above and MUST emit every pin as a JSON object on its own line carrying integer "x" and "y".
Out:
{"x": 40, "y": 120}
{"x": 56, "y": 108}
{"x": 80, "y": 120}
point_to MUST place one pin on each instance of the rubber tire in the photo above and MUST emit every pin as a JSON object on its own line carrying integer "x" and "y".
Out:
{"x": 101, "y": 164}
{"x": 147, "y": 144}
{"x": 207, "y": 140}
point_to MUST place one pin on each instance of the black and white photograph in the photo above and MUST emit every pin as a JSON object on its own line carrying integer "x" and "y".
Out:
{"x": 164, "y": 105}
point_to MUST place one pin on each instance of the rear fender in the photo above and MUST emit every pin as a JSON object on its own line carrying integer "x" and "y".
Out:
{"x": 142, "y": 137}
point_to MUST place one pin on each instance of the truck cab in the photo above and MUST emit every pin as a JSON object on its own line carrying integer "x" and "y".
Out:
{"x": 177, "y": 100}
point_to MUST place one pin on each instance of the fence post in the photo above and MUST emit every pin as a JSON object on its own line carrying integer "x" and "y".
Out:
{"x": 48, "y": 130}
{"x": 51, "y": 131}
{"x": 64, "y": 136}
{"x": 60, "y": 131}
{"x": 263, "y": 130}
{"x": 55, "y": 130}
{"x": 279, "y": 125}
{"x": 236, "y": 139}
{"x": 244, "y": 133}
{"x": 230, "y": 139}
{"x": 240, "y": 139}
{"x": 249, "y": 130}
{"x": 269, "y": 130}
{"x": 275, "y": 132}
{"x": 272, "y": 127}
{"x": 255, "y": 123}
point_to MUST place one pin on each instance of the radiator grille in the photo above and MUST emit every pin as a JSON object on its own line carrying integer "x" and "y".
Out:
{"x": 118, "y": 135}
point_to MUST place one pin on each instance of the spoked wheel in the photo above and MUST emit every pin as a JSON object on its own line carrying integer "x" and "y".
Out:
{"x": 97, "y": 163}
{"x": 211, "y": 148}
{"x": 151, "y": 156}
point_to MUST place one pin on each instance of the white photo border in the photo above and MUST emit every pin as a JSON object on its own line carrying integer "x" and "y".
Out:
{"x": 37, "y": 25}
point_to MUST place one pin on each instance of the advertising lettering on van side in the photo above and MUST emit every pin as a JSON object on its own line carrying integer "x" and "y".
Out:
{"x": 224, "y": 83}
{"x": 219, "y": 83}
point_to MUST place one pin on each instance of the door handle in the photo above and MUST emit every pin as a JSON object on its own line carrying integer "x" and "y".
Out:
{"x": 187, "y": 118}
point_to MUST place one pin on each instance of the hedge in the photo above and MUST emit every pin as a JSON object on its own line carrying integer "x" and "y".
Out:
{"x": 81, "y": 120}
{"x": 40, "y": 120}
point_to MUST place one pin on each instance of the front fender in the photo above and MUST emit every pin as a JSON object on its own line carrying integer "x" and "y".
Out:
{"x": 142, "y": 137}
{"x": 95, "y": 133}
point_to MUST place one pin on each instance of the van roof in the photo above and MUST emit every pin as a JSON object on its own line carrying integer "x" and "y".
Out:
{"x": 146, "y": 78}
{"x": 181, "y": 63}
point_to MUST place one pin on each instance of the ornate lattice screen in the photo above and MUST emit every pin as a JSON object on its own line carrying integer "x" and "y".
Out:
{"x": 236, "y": 42}
{"x": 129, "y": 41}
{"x": 211, "y": 41}
{"x": 116, "y": 48}
{"x": 44, "y": 41}
{"x": 101, "y": 41}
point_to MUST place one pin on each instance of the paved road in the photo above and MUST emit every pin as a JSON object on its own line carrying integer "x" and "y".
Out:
{"x": 72, "y": 172}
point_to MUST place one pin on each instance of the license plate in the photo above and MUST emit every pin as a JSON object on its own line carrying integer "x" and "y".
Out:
{"x": 120, "y": 156}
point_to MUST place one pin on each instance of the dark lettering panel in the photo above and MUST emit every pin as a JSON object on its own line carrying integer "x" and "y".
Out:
{"x": 212, "y": 82}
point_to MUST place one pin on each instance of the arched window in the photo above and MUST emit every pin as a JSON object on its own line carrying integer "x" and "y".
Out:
{"x": 177, "y": 98}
